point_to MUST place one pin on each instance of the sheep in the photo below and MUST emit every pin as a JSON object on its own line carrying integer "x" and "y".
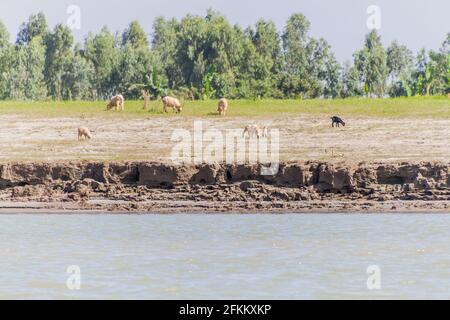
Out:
{"x": 254, "y": 131}
{"x": 170, "y": 102}
{"x": 117, "y": 102}
{"x": 223, "y": 107}
{"x": 84, "y": 133}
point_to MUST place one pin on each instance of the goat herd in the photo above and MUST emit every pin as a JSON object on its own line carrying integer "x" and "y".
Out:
{"x": 252, "y": 131}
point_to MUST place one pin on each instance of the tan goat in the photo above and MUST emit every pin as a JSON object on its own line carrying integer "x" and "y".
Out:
{"x": 254, "y": 131}
{"x": 223, "y": 107}
{"x": 173, "y": 103}
{"x": 84, "y": 133}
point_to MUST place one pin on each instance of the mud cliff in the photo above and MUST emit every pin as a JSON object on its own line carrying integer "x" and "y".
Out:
{"x": 158, "y": 187}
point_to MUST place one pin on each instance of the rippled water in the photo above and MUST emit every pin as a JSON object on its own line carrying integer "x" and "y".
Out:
{"x": 225, "y": 256}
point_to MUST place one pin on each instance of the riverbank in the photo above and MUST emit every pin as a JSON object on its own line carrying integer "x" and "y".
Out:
{"x": 298, "y": 187}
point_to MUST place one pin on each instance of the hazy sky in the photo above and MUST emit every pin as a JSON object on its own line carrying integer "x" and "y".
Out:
{"x": 341, "y": 22}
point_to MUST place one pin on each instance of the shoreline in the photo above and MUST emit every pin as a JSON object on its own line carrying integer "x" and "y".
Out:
{"x": 402, "y": 207}
{"x": 163, "y": 188}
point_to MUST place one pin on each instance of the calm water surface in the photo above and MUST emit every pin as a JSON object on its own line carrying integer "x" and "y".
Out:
{"x": 224, "y": 256}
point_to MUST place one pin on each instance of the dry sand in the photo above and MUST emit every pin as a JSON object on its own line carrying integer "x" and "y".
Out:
{"x": 302, "y": 137}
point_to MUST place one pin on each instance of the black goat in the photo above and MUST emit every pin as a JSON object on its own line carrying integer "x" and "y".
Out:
{"x": 337, "y": 121}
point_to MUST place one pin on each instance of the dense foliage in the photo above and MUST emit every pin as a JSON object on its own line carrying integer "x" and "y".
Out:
{"x": 207, "y": 57}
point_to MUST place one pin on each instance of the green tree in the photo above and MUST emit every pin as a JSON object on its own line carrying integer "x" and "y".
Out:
{"x": 431, "y": 74}
{"x": 437, "y": 73}
{"x": 351, "y": 86}
{"x": 295, "y": 39}
{"x": 35, "y": 86}
{"x": 207, "y": 46}
{"x": 26, "y": 76}
{"x": 310, "y": 69}
{"x": 420, "y": 74}
{"x": 293, "y": 80}
{"x": 262, "y": 60}
{"x": 138, "y": 70}
{"x": 135, "y": 36}
{"x": 445, "y": 50}
{"x": 267, "y": 43}
{"x": 332, "y": 77}
{"x": 102, "y": 50}
{"x": 399, "y": 64}
{"x": 371, "y": 63}
{"x": 58, "y": 55}
{"x": 4, "y": 36}
{"x": 35, "y": 27}
{"x": 323, "y": 70}
{"x": 79, "y": 75}
{"x": 399, "y": 59}
{"x": 446, "y": 45}
{"x": 6, "y": 58}
{"x": 164, "y": 44}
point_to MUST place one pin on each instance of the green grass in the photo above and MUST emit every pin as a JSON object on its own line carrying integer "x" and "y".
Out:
{"x": 422, "y": 107}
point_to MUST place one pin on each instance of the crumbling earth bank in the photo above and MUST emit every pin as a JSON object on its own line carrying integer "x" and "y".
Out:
{"x": 153, "y": 186}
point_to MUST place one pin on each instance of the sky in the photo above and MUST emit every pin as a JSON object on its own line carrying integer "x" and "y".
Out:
{"x": 343, "y": 23}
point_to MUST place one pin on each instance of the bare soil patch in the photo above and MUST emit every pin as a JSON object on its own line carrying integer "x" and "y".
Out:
{"x": 302, "y": 137}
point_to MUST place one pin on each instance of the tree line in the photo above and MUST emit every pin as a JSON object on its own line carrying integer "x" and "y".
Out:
{"x": 203, "y": 57}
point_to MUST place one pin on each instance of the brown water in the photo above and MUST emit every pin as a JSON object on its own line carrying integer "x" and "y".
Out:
{"x": 224, "y": 256}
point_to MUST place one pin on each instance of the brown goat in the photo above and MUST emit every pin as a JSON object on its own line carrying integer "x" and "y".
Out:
{"x": 117, "y": 103}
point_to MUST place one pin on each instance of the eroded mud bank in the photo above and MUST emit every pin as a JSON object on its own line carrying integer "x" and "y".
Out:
{"x": 157, "y": 187}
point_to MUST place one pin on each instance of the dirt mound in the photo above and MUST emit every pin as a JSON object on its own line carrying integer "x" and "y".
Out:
{"x": 322, "y": 177}
{"x": 151, "y": 186}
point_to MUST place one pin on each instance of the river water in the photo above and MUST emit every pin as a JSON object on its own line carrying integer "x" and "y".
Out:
{"x": 224, "y": 256}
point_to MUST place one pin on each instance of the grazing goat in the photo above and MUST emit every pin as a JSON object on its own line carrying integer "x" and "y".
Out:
{"x": 117, "y": 103}
{"x": 170, "y": 102}
{"x": 254, "y": 131}
{"x": 337, "y": 121}
{"x": 223, "y": 107}
{"x": 84, "y": 133}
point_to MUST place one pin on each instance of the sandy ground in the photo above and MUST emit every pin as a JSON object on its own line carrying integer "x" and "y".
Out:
{"x": 302, "y": 137}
